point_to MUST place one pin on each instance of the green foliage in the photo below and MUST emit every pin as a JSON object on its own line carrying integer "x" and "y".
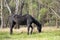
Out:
{"x": 12, "y": 3}
{"x": 42, "y": 12}
{"x": 5, "y": 11}
{"x": 53, "y": 17}
{"x": 51, "y": 23}
{"x": 38, "y": 8}
{"x": 46, "y": 1}
{"x": 34, "y": 5}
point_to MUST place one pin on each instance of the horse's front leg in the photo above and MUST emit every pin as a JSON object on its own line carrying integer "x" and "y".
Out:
{"x": 28, "y": 25}
{"x": 28, "y": 30}
{"x": 31, "y": 29}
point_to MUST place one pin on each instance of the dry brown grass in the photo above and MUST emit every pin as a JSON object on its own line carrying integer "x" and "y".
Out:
{"x": 24, "y": 29}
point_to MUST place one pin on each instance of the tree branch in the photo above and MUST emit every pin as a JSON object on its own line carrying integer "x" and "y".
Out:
{"x": 55, "y": 13}
{"x": 8, "y": 7}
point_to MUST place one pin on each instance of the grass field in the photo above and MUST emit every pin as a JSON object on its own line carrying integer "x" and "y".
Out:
{"x": 48, "y": 33}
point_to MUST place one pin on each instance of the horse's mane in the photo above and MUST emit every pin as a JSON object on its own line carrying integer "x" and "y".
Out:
{"x": 34, "y": 20}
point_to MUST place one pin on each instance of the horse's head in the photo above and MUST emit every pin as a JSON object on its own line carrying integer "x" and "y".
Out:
{"x": 39, "y": 28}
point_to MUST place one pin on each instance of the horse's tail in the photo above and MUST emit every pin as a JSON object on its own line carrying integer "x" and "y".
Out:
{"x": 7, "y": 22}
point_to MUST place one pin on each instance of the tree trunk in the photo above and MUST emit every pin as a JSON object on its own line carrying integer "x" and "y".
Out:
{"x": 21, "y": 6}
{"x": 30, "y": 8}
{"x": 27, "y": 10}
{"x": 57, "y": 26}
{"x": 57, "y": 16}
{"x": 17, "y": 5}
{"x": 38, "y": 3}
{"x": 2, "y": 23}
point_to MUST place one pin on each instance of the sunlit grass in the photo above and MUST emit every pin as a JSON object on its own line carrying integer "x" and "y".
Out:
{"x": 44, "y": 35}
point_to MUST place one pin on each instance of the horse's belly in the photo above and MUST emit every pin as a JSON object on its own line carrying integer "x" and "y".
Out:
{"x": 22, "y": 23}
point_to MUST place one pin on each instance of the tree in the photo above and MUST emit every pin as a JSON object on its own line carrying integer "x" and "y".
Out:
{"x": 30, "y": 7}
{"x": 21, "y": 6}
{"x": 2, "y": 24}
{"x": 17, "y": 5}
{"x": 7, "y": 6}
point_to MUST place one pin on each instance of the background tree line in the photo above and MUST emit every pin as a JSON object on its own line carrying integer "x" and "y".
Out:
{"x": 45, "y": 11}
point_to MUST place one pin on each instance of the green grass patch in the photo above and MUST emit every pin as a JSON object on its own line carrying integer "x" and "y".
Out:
{"x": 45, "y": 35}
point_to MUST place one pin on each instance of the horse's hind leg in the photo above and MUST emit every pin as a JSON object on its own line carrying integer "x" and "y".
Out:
{"x": 18, "y": 26}
{"x": 11, "y": 28}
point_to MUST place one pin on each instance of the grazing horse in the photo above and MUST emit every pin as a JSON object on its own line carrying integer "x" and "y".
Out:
{"x": 24, "y": 20}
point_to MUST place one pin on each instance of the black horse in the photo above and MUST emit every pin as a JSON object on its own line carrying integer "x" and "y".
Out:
{"x": 24, "y": 20}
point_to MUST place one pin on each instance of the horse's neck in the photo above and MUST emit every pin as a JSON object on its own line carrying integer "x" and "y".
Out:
{"x": 35, "y": 21}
